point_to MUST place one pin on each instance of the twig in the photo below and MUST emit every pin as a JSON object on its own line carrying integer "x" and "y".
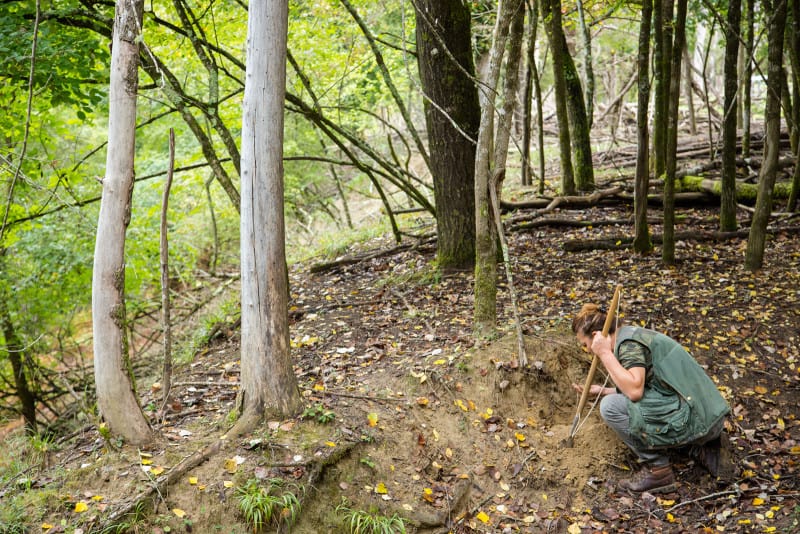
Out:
{"x": 704, "y": 498}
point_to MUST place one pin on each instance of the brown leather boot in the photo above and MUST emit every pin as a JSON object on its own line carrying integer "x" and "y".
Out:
{"x": 656, "y": 479}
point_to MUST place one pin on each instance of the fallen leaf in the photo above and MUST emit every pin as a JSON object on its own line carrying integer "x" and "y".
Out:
{"x": 230, "y": 465}
{"x": 372, "y": 417}
{"x": 81, "y": 507}
{"x": 483, "y": 518}
{"x": 178, "y": 512}
{"x": 193, "y": 481}
{"x": 380, "y": 489}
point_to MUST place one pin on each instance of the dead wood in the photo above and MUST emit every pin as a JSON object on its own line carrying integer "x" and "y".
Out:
{"x": 351, "y": 260}
{"x": 623, "y": 242}
{"x": 547, "y": 205}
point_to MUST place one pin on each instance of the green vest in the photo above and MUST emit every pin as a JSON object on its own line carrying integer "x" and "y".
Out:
{"x": 680, "y": 404}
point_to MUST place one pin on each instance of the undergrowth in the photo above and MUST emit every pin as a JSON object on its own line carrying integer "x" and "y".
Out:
{"x": 268, "y": 503}
{"x": 372, "y": 522}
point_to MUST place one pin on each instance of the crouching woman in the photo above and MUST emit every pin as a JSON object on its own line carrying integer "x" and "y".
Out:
{"x": 662, "y": 400}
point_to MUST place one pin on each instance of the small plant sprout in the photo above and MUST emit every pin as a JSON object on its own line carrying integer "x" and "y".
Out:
{"x": 318, "y": 413}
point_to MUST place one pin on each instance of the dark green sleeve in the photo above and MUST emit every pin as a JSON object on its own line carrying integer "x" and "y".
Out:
{"x": 633, "y": 354}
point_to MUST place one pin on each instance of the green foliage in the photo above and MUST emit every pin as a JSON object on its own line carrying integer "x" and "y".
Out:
{"x": 271, "y": 504}
{"x": 372, "y": 522}
{"x": 318, "y": 413}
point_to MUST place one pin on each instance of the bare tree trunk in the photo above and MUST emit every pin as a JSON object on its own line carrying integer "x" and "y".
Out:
{"x": 551, "y": 13}
{"x": 727, "y": 215}
{"x": 268, "y": 383}
{"x": 748, "y": 77}
{"x": 642, "y": 243}
{"x": 668, "y": 250}
{"x": 116, "y": 394}
{"x": 166, "y": 374}
{"x": 687, "y": 74}
{"x": 754, "y": 256}
{"x": 588, "y": 70}
{"x": 485, "y": 307}
{"x": 452, "y": 118}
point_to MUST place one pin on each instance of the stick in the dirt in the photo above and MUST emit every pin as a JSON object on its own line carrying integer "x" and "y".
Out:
{"x": 590, "y": 377}
{"x": 494, "y": 184}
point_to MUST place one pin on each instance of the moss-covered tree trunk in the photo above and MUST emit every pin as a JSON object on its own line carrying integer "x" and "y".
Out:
{"x": 551, "y": 14}
{"x": 642, "y": 242}
{"x": 668, "y": 250}
{"x": 754, "y": 256}
{"x": 452, "y": 115}
{"x": 662, "y": 58}
{"x": 727, "y": 214}
{"x": 791, "y": 205}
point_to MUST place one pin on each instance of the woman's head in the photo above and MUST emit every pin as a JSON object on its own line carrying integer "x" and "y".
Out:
{"x": 589, "y": 320}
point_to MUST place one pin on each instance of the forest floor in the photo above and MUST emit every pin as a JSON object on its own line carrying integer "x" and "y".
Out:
{"x": 408, "y": 414}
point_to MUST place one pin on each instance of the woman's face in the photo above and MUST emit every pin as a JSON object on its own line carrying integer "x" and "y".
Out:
{"x": 585, "y": 341}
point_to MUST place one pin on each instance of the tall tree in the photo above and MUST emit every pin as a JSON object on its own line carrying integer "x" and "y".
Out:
{"x": 485, "y": 307}
{"x": 642, "y": 242}
{"x": 749, "y": 12}
{"x": 727, "y": 215}
{"x": 676, "y": 49}
{"x": 756, "y": 241}
{"x": 452, "y": 115}
{"x": 551, "y": 14}
{"x": 116, "y": 394}
{"x": 268, "y": 383}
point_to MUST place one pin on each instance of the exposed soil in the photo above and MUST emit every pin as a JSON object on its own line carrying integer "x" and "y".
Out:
{"x": 450, "y": 434}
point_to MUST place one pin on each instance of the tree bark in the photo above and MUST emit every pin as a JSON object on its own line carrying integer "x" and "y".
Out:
{"x": 668, "y": 248}
{"x": 727, "y": 215}
{"x": 551, "y": 13}
{"x": 452, "y": 114}
{"x": 754, "y": 256}
{"x": 116, "y": 394}
{"x": 748, "y": 76}
{"x": 268, "y": 383}
{"x": 642, "y": 243}
{"x": 485, "y": 307}
{"x": 588, "y": 70}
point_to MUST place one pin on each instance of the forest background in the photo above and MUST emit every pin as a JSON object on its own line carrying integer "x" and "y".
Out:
{"x": 362, "y": 153}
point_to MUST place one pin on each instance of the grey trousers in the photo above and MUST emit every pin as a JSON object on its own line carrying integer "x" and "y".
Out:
{"x": 614, "y": 411}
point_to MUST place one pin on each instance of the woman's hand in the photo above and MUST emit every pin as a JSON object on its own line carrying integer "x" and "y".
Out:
{"x": 595, "y": 389}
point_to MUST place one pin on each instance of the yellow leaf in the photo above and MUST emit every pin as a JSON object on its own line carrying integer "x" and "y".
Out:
{"x": 574, "y": 528}
{"x": 157, "y": 470}
{"x": 440, "y": 362}
{"x": 193, "y": 481}
{"x": 781, "y": 424}
{"x": 520, "y": 436}
{"x": 758, "y": 501}
{"x": 372, "y": 417}
{"x": 146, "y": 461}
{"x": 46, "y": 526}
{"x": 665, "y": 502}
{"x": 483, "y": 518}
{"x": 330, "y": 444}
{"x": 97, "y": 498}
{"x": 230, "y": 465}
{"x": 227, "y": 483}
{"x": 422, "y": 401}
{"x": 81, "y": 507}
{"x": 460, "y": 404}
{"x": 319, "y": 387}
{"x": 448, "y": 452}
{"x": 178, "y": 512}
{"x": 381, "y": 489}
{"x": 744, "y": 521}
{"x": 472, "y": 405}
{"x": 670, "y": 518}
{"x": 761, "y": 390}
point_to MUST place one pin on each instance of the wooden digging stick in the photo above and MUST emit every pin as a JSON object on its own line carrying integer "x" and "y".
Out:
{"x": 590, "y": 377}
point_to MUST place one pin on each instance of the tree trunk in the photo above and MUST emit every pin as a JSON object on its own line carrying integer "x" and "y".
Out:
{"x": 510, "y": 85}
{"x": 668, "y": 250}
{"x": 551, "y": 14}
{"x": 791, "y": 205}
{"x": 16, "y": 356}
{"x": 662, "y": 58}
{"x": 588, "y": 70}
{"x": 116, "y": 394}
{"x": 748, "y": 77}
{"x": 485, "y": 307}
{"x": 754, "y": 256}
{"x": 446, "y": 69}
{"x": 268, "y": 383}
{"x": 727, "y": 215}
{"x": 642, "y": 243}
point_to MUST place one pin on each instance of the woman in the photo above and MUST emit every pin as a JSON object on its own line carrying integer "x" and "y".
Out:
{"x": 663, "y": 398}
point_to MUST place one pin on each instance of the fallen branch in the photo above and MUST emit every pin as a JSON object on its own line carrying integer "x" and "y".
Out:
{"x": 623, "y": 242}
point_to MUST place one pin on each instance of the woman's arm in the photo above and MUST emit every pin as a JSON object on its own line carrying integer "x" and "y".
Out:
{"x": 629, "y": 381}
